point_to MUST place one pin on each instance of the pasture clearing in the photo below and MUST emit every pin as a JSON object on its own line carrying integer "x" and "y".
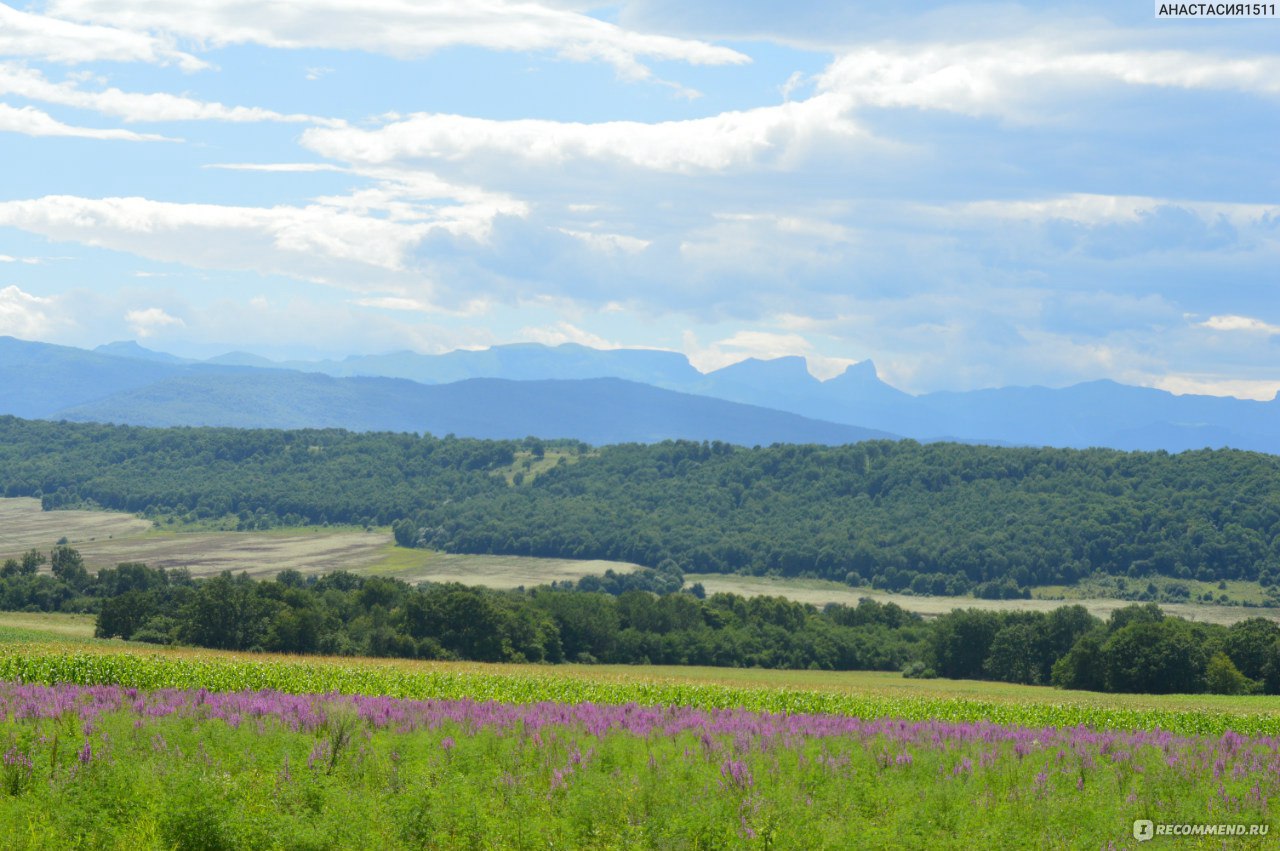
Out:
{"x": 106, "y": 538}
{"x": 819, "y": 592}
{"x": 23, "y": 526}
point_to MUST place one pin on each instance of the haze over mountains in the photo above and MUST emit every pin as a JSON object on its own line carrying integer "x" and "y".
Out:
{"x": 602, "y": 397}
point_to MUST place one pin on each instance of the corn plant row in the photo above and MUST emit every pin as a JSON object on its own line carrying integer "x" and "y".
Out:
{"x": 50, "y": 665}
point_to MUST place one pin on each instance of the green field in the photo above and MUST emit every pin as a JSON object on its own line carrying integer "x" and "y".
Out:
{"x": 184, "y": 768}
{"x": 29, "y": 634}
{"x": 173, "y": 748}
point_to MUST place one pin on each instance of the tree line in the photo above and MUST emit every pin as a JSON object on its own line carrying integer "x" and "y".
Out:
{"x": 1137, "y": 649}
{"x": 345, "y": 614}
{"x": 903, "y": 516}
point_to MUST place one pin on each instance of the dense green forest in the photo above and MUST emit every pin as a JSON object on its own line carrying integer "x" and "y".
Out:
{"x": 934, "y": 518}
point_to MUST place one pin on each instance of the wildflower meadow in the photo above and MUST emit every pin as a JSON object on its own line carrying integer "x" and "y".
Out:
{"x": 109, "y": 766}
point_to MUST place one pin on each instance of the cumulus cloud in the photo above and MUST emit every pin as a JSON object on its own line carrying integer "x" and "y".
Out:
{"x": 404, "y": 29}
{"x": 147, "y": 322}
{"x": 282, "y": 168}
{"x": 1005, "y": 79}
{"x": 1015, "y": 79}
{"x": 564, "y": 332}
{"x": 25, "y": 315}
{"x": 366, "y": 241}
{"x": 766, "y": 136}
{"x": 317, "y": 243}
{"x": 764, "y": 345}
{"x": 30, "y": 121}
{"x": 1246, "y": 324}
{"x": 46, "y": 38}
{"x": 18, "y": 80}
{"x": 1218, "y": 385}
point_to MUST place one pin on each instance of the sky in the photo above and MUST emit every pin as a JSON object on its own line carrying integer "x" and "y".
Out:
{"x": 970, "y": 194}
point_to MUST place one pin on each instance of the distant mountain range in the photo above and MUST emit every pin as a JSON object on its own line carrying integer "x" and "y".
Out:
{"x": 603, "y": 397}
{"x": 123, "y": 383}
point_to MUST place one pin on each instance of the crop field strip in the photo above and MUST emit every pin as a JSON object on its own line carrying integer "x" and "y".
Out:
{"x": 107, "y": 538}
{"x": 51, "y": 663}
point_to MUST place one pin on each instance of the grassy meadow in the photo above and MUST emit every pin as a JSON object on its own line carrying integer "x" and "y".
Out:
{"x": 112, "y": 745}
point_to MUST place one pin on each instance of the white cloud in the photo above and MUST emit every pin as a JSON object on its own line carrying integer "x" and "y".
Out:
{"x": 1016, "y": 79}
{"x": 564, "y": 332}
{"x": 283, "y": 168}
{"x": 1095, "y": 209}
{"x": 413, "y": 305}
{"x": 29, "y": 83}
{"x": 148, "y": 321}
{"x": 308, "y": 242}
{"x": 764, "y": 345}
{"x": 25, "y": 315}
{"x": 792, "y": 83}
{"x": 776, "y": 136}
{"x": 403, "y": 28}
{"x": 1245, "y": 324}
{"x": 30, "y": 121}
{"x": 41, "y": 37}
{"x": 1218, "y": 385}
{"x": 365, "y": 241}
{"x": 30, "y": 261}
{"x": 612, "y": 243}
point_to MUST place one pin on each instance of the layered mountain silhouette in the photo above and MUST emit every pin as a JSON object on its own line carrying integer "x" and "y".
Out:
{"x": 119, "y": 384}
{"x": 603, "y": 397}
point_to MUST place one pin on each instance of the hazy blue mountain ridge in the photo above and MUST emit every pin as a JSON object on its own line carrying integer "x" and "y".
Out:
{"x": 124, "y": 382}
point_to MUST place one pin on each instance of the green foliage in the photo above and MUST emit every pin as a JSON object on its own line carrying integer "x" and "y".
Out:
{"x": 68, "y": 566}
{"x": 1082, "y": 666}
{"x": 345, "y": 614}
{"x": 1251, "y": 644}
{"x": 960, "y": 642}
{"x": 31, "y": 561}
{"x": 1222, "y": 676}
{"x": 935, "y": 518}
{"x": 1156, "y": 657}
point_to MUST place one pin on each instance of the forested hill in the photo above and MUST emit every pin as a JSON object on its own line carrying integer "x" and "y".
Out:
{"x": 941, "y": 518}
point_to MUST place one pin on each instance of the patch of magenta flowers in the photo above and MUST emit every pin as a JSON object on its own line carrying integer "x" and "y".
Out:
{"x": 743, "y": 728}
